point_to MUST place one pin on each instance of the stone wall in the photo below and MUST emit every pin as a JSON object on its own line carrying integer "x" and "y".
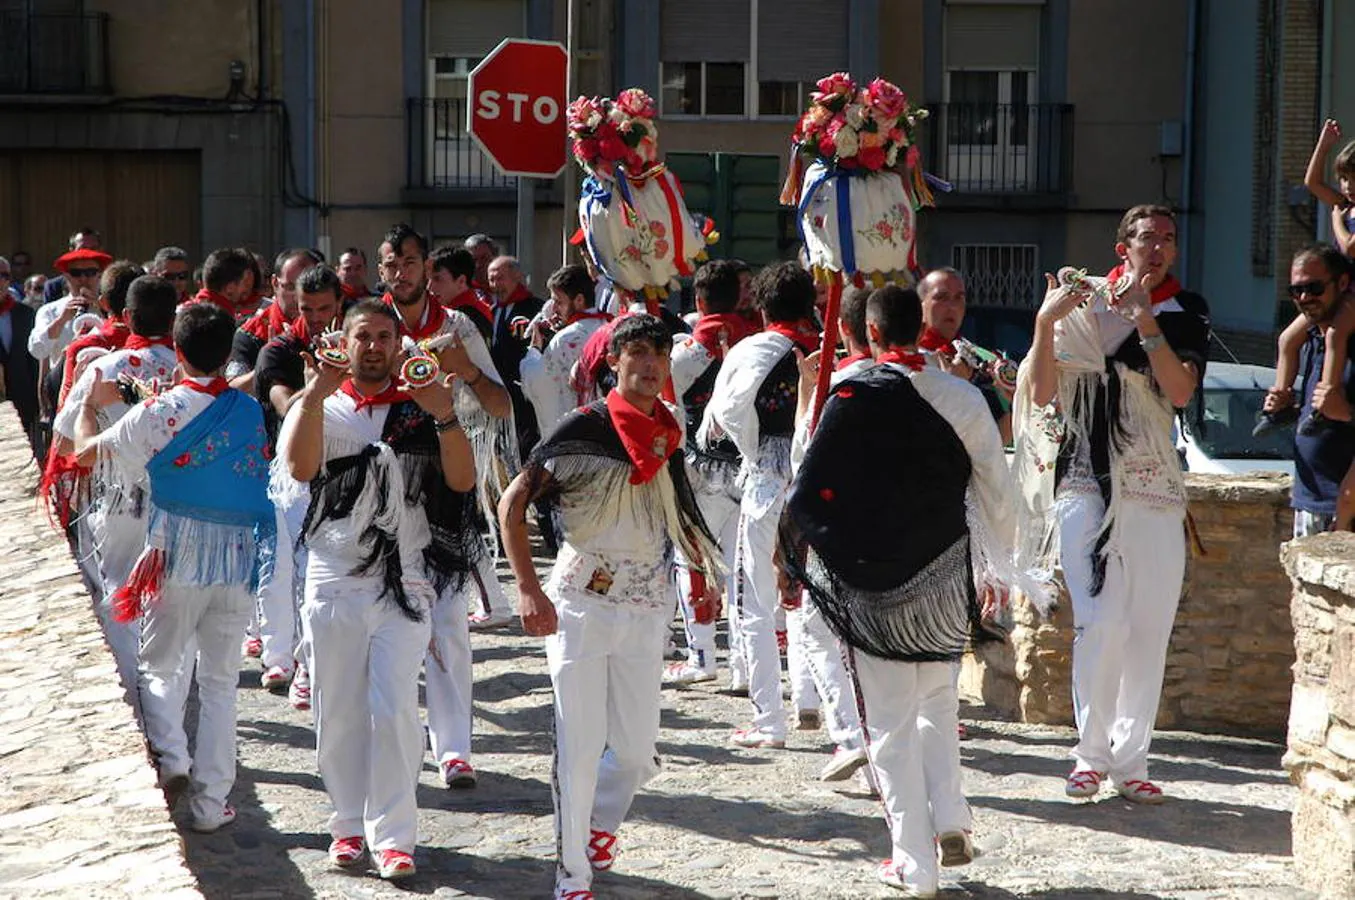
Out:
{"x": 1232, "y": 646}
{"x": 80, "y": 813}
{"x": 1321, "y": 757}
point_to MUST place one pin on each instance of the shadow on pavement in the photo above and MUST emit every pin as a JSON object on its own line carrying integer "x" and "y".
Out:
{"x": 1181, "y": 820}
{"x": 979, "y": 891}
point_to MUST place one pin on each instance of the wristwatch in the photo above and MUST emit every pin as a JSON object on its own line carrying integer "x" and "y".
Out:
{"x": 1152, "y": 342}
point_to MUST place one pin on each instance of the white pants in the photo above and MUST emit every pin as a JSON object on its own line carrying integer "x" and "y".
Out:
{"x": 804, "y": 692}
{"x": 1120, "y": 636}
{"x": 278, "y": 593}
{"x": 758, "y": 603}
{"x": 822, "y": 658}
{"x": 910, "y": 715}
{"x": 606, "y": 665}
{"x": 448, "y": 677}
{"x": 213, "y": 617}
{"x": 721, "y": 513}
{"x": 365, "y": 657}
{"x": 118, "y": 549}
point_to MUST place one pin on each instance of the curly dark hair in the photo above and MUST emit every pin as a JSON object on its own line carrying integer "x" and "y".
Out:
{"x": 639, "y": 328}
{"x": 784, "y": 292}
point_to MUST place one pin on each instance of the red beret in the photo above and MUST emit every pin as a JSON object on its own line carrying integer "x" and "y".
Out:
{"x": 98, "y": 257}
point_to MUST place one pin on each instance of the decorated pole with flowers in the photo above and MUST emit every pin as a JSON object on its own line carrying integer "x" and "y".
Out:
{"x": 633, "y": 220}
{"x": 856, "y": 181}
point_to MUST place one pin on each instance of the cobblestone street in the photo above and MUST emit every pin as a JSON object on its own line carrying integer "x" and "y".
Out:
{"x": 721, "y": 822}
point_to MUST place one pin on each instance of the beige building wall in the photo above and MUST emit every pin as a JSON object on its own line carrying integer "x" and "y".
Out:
{"x": 360, "y": 126}
{"x": 1123, "y": 89}
{"x": 206, "y": 36}
{"x": 902, "y": 50}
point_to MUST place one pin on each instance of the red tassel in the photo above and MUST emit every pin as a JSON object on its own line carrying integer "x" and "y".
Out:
{"x": 828, "y": 350}
{"x": 704, "y": 613}
{"x": 141, "y": 587}
{"x": 59, "y": 485}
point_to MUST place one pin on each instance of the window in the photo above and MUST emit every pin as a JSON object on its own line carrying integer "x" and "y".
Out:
{"x": 999, "y": 274}
{"x": 783, "y": 98}
{"x": 710, "y": 67}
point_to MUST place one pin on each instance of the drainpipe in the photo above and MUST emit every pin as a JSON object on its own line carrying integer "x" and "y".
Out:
{"x": 308, "y": 160}
{"x": 1324, "y": 99}
{"x": 1188, "y": 127}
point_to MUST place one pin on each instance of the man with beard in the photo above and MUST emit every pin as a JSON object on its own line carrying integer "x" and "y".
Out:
{"x": 484, "y": 408}
{"x": 389, "y": 468}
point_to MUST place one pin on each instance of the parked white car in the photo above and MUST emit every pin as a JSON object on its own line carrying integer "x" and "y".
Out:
{"x": 1233, "y": 394}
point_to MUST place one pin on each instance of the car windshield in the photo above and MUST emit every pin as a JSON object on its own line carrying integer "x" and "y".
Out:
{"x": 1229, "y": 416}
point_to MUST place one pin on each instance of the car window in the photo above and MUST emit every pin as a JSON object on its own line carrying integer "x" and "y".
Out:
{"x": 1230, "y": 414}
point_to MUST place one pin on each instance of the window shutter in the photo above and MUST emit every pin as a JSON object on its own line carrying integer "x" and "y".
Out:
{"x": 472, "y": 28}
{"x": 704, "y": 31}
{"x": 802, "y": 40}
{"x": 997, "y": 36}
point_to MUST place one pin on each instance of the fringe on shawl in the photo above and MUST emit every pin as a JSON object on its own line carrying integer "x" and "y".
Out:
{"x": 928, "y": 619}
{"x": 494, "y": 444}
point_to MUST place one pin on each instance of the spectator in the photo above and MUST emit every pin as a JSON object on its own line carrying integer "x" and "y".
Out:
{"x": 33, "y": 288}
{"x": 171, "y": 264}
{"x": 353, "y": 274}
{"x": 84, "y": 239}
{"x": 20, "y": 368}
{"x": 514, "y": 308}
{"x": 485, "y": 251}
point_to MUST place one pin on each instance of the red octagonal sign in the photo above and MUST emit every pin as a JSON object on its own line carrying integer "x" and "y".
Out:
{"x": 517, "y": 108}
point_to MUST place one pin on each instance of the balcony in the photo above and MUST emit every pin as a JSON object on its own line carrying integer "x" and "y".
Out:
{"x": 1001, "y": 154}
{"x": 53, "y": 54}
{"x": 441, "y": 156}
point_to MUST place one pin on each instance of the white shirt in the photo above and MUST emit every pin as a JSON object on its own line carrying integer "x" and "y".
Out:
{"x": 51, "y": 349}
{"x": 153, "y": 362}
{"x": 148, "y": 427}
{"x": 545, "y": 373}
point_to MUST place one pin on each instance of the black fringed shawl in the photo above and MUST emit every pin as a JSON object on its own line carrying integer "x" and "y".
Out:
{"x": 1187, "y": 333}
{"x": 456, "y": 544}
{"x": 588, "y": 442}
{"x": 880, "y": 503}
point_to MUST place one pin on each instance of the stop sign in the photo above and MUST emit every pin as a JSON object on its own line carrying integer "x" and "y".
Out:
{"x": 517, "y": 108}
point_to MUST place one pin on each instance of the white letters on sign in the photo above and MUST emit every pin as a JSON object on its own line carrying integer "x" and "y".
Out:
{"x": 544, "y": 109}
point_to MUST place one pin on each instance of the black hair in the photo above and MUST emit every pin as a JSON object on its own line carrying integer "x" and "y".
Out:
{"x": 1336, "y": 262}
{"x": 227, "y": 266}
{"x": 717, "y": 283}
{"x": 784, "y": 292}
{"x": 287, "y": 256}
{"x": 354, "y": 250}
{"x": 114, "y": 281}
{"x": 151, "y": 302}
{"x": 853, "y": 314}
{"x": 370, "y": 306}
{"x": 641, "y": 327}
{"x": 203, "y": 333}
{"x": 86, "y": 231}
{"x": 399, "y": 233}
{"x": 897, "y": 312}
{"x": 572, "y": 280}
{"x": 318, "y": 279}
{"x": 455, "y": 261}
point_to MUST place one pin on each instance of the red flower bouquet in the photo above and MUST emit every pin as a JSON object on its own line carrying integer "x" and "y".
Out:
{"x": 607, "y": 132}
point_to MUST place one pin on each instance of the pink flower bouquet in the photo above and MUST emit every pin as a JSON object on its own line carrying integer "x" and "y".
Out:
{"x": 607, "y": 132}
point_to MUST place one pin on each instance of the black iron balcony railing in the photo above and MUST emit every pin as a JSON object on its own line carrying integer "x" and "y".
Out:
{"x": 1001, "y": 148}
{"x": 53, "y": 54}
{"x": 440, "y": 153}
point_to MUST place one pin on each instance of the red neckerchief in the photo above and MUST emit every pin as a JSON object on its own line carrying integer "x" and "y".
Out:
{"x": 387, "y": 395}
{"x": 800, "y": 334}
{"x": 431, "y": 323}
{"x": 112, "y": 335}
{"x": 915, "y": 361}
{"x": 138, "y": 342}
{"x": 267, "y": 324}
{"x": 850, "y": 360}
{"x": 519, "y": 294}
{"x": 7, "y": 301}
{"x": 353, "y": 293}
{"x": 588, "y": 314}
{"x": 300, "y": 329}
{"x": 1168, "y": 289}
{"x": 470, "y": 298}
{"x": 215, "y": 387}
{"x": 212, "y": 297}
{"x": 649, "y": 440}
{"x": 708, "y": 328}
{"x": 932, "y": 340}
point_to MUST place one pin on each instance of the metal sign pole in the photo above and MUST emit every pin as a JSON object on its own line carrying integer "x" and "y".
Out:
{"x": 571, "y": 214}
{"x": 526, "y": 237}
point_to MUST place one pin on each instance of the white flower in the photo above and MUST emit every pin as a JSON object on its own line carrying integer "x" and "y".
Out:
{"x": 892, "y": 155}
{"x": 594, "y": 120}
{"x": 855, "y": 115}
{"x": 846, "y": 141}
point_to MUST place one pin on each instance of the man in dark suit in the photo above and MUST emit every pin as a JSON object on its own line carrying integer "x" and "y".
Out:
{"x": 514, "y": 307}
{"x": 20, "y": 368}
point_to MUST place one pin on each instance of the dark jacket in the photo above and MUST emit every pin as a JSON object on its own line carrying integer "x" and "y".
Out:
{"x": 21, "y": 369}
{"x": 507, "y": 351}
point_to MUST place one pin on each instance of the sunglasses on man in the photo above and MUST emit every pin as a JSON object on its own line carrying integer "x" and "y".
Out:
{"x": 1308, "y": 289}
{"x": 176, "y": 276}
{"x": 82, "y": 273}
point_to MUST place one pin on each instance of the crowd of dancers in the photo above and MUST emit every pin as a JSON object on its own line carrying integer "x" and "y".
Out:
{"x": 329, "y": 473}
